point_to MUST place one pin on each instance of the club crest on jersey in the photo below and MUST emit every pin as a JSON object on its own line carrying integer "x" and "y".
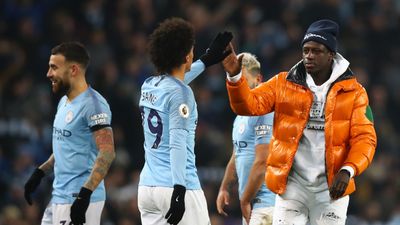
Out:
{"x": 242, "y": 127}
{"x": 69, "y": 117}
{"x": 184, "y": 110}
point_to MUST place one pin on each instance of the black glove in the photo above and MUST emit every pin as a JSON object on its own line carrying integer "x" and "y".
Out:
{"x": 32, "y": 184}
{"x": 177, "y": 207}
{"x": 217, "y": 52}
{"x": 79, "y": 207}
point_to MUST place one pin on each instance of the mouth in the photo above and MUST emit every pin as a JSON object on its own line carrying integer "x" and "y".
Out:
{"x": 309, "y": 65}
{"x": 53, "y": 82}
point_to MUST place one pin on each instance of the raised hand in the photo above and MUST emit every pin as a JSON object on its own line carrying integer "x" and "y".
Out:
{"x": 232, "y": 64}
{"x": 217, "y": 51}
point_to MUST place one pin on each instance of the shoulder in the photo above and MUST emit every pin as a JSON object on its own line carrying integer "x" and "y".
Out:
{"x": 96, "y": 96}
{"x": 62, "y": 101}
{"x": 95, "y": 100}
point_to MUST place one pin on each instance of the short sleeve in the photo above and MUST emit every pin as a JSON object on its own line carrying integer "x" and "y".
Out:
{"x": 97, "y": 114}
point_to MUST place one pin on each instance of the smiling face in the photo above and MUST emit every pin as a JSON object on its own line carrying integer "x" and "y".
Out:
{"x": 59, "y": 74}
{"x": 317, "y": 58}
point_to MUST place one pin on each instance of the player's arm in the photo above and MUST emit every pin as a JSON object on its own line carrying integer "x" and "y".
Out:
{"x": 255, "y": 180}
{"x": 37, "y": 175}
{"x": 230, "y": 178}
{"x": 98, "y": 118}
{"x": 105, "y": 144}
{"x": 263, "y": 134}
{"x": 48, "y": 166}
{"x": 179, "y": 125}
{"x": 196, "y": 69}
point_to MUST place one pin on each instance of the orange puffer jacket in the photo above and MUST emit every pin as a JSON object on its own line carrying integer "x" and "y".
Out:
{"x": 350, "y": 138}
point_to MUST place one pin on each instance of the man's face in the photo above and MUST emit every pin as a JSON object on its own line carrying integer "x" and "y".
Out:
{"x": 59, "y": 73}
{"x": 253, "y": 80}
{"x": 316, "y": 57}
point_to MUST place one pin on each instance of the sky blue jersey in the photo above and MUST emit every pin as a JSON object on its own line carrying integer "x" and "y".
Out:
{"x": 74, "y": 147}
{"x": 249, "y": 131}
{"x": 169, "y": 119}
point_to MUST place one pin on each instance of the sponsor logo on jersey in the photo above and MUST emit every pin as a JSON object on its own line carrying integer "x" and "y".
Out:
{"x": 60, "y": 134}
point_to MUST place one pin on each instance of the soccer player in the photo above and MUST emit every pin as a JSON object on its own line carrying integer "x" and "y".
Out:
{"x": 323, "y": 133}
{"x": 83, "y": 146}
{"x": 250, "y": 136}
{"x": 169, "y": 188}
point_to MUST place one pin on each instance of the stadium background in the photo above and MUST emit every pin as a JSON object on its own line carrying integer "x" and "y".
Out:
{"x": 115, "y": 32}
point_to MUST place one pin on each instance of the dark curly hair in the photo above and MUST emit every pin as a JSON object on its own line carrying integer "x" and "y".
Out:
{"x": 169, "y": 44}
{"x": 73, "y": 51}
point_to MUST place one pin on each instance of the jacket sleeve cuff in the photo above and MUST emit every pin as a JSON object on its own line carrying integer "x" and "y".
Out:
{"x": 350, "y": 169}
{"x": 235, "y": 78}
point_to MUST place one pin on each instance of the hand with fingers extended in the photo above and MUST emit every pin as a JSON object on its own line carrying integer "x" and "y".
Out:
{"x": 339, "y": 185}
{"x": 217, "y": 51}
{"x": 232, "y": 64}
{"x": 222, "y": 201}
{"x": 177, "y": 206}
{"x": 32, "y": 183}
{"x": 80, "y": 206}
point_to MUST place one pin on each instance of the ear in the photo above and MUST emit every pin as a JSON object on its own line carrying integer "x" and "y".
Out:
{"x": 187, "y": 58}
{"x": 332, "y": 54}
{"x": 75, "y": 69}
{"x": 259, "y": 78}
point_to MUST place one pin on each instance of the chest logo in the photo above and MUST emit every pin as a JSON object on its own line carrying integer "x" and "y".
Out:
{"x": 242, "y": 127}
{"x": 184, "y": 110}
{"x": 69, "y": 117}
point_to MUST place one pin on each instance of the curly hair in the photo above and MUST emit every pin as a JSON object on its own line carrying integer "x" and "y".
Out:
{"x": 169, "y": 44}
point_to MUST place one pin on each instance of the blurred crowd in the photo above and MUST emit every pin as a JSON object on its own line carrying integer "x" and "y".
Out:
{"x": 116, "y": 32}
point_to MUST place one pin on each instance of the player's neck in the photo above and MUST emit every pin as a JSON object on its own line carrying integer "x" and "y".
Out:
{"x": 77, "y": 88}
{"x": 178, "y": 73}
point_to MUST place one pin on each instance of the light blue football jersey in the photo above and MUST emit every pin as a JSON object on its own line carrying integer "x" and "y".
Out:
{"x": 169, "y": 119}
{"x": 249, "y": 131}
{"x": 74, "y": 147}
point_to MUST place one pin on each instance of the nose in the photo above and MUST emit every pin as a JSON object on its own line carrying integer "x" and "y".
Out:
{"x": 49, "y": 73}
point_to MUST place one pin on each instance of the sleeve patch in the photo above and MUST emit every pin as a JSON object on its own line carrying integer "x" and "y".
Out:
{"x": 184, "y": 111}
{"x": 99, "y": 119}
{"x": 263, "y": 130}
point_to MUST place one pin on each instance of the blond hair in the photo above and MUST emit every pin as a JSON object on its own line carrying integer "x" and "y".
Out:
{"x": 250, "y": 63}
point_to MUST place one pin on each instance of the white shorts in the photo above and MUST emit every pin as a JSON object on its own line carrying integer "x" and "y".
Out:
{"x": 297, "y": 206}
{"x": 260, "y": 216}
{"x": 154, "y": 203}
{"x": 59, "y": 214}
